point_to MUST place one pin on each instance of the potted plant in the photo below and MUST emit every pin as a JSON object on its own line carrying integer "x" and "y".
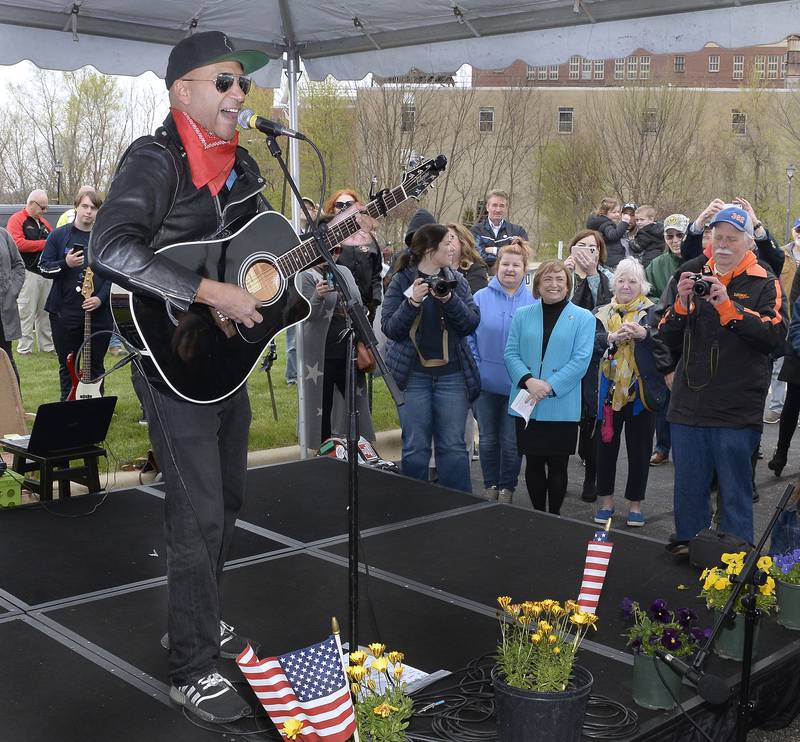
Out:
{"x": 540, "y": 693}
{"x": 382, "y": 706}
{"x": 656, "y": 685}
{"x": 716, "y": 590}
{"x": 786, "y": 571}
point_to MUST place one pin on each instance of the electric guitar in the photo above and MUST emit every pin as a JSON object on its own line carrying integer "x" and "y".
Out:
{"x": 204, "y": 357}
{"x": 82, "y": 385}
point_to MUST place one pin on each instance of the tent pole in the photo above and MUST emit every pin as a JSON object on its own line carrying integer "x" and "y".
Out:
{"x": 292, "y": 74}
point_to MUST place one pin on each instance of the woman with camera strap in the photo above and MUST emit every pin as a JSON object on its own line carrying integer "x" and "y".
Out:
{"x": 428, "y": 313}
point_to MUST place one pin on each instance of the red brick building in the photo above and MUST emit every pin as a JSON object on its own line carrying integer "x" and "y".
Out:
{"x": 712, "y": 67}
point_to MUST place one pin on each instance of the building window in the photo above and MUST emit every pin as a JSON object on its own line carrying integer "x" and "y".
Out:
{"x": 599, "y": 69}
{"x": 772, "y": 67}
{"x": 541, "y": 73}
{"x": 679, "y": 63}
{"x": 738, "y": 122}
{"x": 650, "y": 121}
{"x": 553, "y": 71}
{"x": 761, "y": 65}
{"x": 486, "y": 120}
{"x": 713, "y": 62}
{"x": 408, "y": 117}
{"x": 619, "y": 69}
{"x": 586, "y": 69}
{"x": 644, "y": 68}
{"x": 565, "y": 120}
{"x": 531, "y": 73}
{"x": 633, "y": 67}
{"x": 574, "y": 68}
{"x": 738, "y": 67}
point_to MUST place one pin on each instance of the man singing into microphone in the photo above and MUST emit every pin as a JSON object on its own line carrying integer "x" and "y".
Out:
{"x": 189, "y": 182}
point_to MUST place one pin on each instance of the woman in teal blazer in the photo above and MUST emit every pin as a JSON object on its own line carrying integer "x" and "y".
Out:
{"x": 547, "y": 354}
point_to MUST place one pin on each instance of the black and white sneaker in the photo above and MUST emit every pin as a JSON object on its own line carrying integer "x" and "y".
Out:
{"x": 231, "y": 645}
{"x": 211, "y": 698}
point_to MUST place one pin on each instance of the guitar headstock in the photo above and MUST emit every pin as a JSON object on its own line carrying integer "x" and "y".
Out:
{"x": 87, "y": 287}
{"x": 417, "y": 180}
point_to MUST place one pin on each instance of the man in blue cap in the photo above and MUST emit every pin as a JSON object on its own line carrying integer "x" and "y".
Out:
{"x": 189, "y": 181}
{"x": 727, "y": 319}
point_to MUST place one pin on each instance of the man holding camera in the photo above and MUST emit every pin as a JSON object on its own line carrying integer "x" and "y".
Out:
{"x": 728, "y": 316}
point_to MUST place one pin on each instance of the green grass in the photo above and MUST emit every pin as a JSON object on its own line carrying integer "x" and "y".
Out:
{"x": 127, "y": 440}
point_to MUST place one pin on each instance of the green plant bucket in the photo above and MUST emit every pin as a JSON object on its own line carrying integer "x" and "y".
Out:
{"x": 788, "y": 605}
{"x": 729, "y": 643}
{"x": 655, "y": 684}
{"x": 529, "y": 716}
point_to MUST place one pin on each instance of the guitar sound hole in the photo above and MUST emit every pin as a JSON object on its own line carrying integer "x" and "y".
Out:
{"x": 263, "y": 281}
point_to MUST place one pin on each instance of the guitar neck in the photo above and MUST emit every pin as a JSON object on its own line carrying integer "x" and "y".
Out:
{"x": 306, "y": 254}
{"x": 86, "y": 358}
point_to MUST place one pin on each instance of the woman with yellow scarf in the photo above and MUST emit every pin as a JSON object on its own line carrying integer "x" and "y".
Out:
{"x": 630, "y": 389}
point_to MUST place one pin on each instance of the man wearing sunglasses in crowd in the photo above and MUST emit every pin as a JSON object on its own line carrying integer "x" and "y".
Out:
{"x": 186, "y": 183}
{"x": 29, "y": 229}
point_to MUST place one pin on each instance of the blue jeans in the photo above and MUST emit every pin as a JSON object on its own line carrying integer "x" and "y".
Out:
{"x": 436, "y": 410}
{"x": 663, "y": 437}
{"x": 697, "y": 453}
{"x": 291, "y": 355}
{"x": 500, "y": 462}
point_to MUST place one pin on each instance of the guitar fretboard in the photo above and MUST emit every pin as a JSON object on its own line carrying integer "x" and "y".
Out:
{"x": 306, "y": 254}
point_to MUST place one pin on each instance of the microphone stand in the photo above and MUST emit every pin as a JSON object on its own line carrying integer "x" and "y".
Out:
{"x": 359, "y": 324}
{"x": 750, "y": 577}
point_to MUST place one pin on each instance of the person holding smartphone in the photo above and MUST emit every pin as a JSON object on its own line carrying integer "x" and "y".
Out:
{"x": 64, "y": 262}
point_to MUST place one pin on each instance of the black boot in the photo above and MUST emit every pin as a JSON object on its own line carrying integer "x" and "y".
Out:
{"x": 777, "y": 462}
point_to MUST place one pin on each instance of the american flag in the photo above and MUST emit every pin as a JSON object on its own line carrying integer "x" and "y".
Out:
{"x": 307, "y": 685}
{"x": 598, "y": 555}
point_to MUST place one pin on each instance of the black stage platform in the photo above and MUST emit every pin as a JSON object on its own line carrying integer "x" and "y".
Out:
{"x": 83, "y": 599}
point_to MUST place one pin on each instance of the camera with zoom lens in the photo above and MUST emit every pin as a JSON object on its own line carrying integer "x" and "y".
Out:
{"x": 439, "y": 285}
{"x": 701, "y": 286}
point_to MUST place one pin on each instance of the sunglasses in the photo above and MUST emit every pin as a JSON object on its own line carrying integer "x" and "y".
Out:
{"x": 339, "y": 205}
{"x": 223, "y": 82}
{"x": 43, "y": 208}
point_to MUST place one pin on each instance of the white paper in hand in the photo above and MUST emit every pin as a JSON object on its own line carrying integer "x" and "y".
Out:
{"x": 523, "y": 405}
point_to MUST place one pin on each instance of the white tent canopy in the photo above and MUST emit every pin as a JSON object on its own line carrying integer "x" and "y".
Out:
{"x": 352, "y": 39}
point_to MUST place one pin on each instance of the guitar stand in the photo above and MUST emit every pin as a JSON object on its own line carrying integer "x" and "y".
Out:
{"x": 358, "y": 324}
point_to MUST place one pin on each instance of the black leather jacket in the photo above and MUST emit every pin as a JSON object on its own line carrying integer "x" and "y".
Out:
{"x": 152, "y": 203}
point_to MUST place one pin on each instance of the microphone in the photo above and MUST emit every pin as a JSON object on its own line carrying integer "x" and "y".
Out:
{"x": 249, "y": 120}
{"x": 710, "y": 687}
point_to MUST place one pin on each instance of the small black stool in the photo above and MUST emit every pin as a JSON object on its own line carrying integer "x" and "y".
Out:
{"x": 56, "y": 467}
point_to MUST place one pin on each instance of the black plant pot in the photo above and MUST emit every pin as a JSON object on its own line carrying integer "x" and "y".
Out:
{"x": 530, "y": 716}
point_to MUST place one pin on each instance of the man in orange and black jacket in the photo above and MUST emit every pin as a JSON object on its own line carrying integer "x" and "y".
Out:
{"x": 727, "y": 319}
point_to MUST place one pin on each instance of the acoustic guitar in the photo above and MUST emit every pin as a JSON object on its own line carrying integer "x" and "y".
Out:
{"x": 204, "y": 357}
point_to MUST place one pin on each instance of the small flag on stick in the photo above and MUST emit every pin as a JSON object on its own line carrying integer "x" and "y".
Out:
{"x": 305, "y": 692}
{"x": 598, "y": 555}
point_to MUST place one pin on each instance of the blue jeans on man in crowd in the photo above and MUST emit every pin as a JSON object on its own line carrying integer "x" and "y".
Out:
{"x": 500, "y": 462}
{"x": 663, "y": 437}
{"x": 699, "y": 451}
{"x": 436, "y": 410}
{"x": 291, "y": 356}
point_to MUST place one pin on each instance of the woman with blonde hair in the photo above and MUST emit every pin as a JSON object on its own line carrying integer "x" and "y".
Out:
{"x": 548, "y": 351}
{"x": 467, "y": 260}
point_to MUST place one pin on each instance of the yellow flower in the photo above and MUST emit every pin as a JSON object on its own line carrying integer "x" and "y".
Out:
{"x": 292, "y": 728}
{"x": 355, "y": 688}
{"x": 704, "y": 574}
{"x": 768, "y": 587}
{"x": 552, "y": 639}
{"x": 528, "y": 607}
{"x": 536, "y": 638}
{"x": 556, "y": 650}
{"x": 731, "y": 558}
{"x": 380, "y": 664}
{"x": 504, "y": 601}
{"x": 371, "y": 684}
{"x": 557, "y": 611}
{"x": 514, "y": 609}
{"x": 384, "y": 710}
{"x": 524, "y": 621}
{"x": 395, "y": 657}
{"x": 571, "y": 605}
{"x": 377, "y": 649}
{"x": 581, "y": 618}
{"x": 764, "y": 563}
{"x": 398, "y": 671}
{"x": 356, "y": 672}
{"x": 722, "y": 583}
{"x": 710, "y": 580}
{"x": 548, "y": 604}
{"x": 545, "y": 627}
{"x": 357, "y": 658}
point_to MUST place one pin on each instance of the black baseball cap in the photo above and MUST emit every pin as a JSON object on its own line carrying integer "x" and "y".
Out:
{"x": 209, "y": 47}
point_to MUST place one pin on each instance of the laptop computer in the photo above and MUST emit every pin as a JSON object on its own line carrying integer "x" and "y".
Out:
{"x": 62, "y": 427}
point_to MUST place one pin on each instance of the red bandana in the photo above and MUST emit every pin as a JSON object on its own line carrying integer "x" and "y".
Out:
{"x": 210, "y": 158}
